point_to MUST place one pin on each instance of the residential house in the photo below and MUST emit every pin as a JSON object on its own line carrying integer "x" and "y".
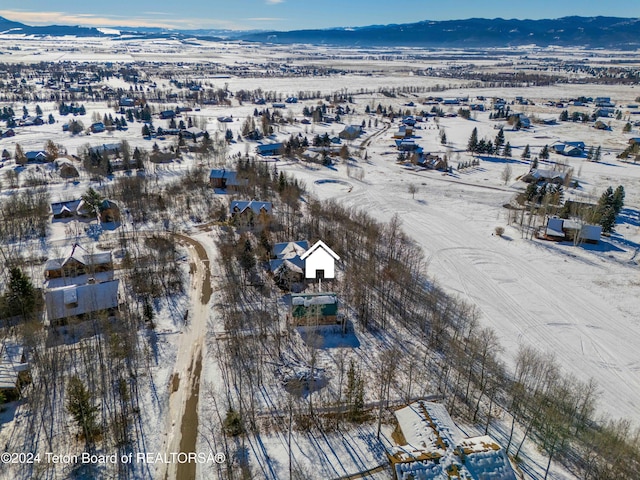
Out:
{"x": 268, "y": 149}
{"x": 404, "y": 131}
{"x": 108, "y": 210}
{"x": 251, "y": 213}
{"x": 64, "y": 209}
{"x": 192, "y": 133}
{"x": 31, "y": 121}
{"x": 539, "y": 175}
{"x": 408, "y": 146}
{"x": 78, "y": 262}
{"x": 434, "y": 162}
{"x": 569, "y": 149}
{"x": 563, "y": 229}
{"x": 350, "y": 132}
{"x": 436, "y": 449}
{"x": 409, "y": 120}
{"x": 521, "y": 119}
{"x": 287, "y": 265}
{"x": 314, "y": 309}
{"x": 97, "y": 127}
{"x": 14, "y": 370}
{"x": 36, "y": 156}
{"x": 604, "y": 102}
{"x": 79, "y": 283}
{"x": 67, "y": 170}
{"x": 127, "y": 102}
{"x": 226, "y": 179}
{"x": 80, "y": 300}
{"x": 108, "y": 148}
{"x": 167, "y": 114}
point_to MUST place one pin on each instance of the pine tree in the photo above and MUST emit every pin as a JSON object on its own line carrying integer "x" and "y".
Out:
{"x": 526, "y": 154}
{"x": 590, "y": 153}
{"x": 81, "y": 408}
{"x": 531, "y": 193}
{"x": 499, "y": 140}
{"x": 608, "y": 220}
{"x": 20, "y": 297}
{"x": 617, "y": 202}
{"x": 507, "y": 150}
{"x": 544, "y": 153}
{"x": 472, "y": 145}
{"x": 597, "y": 155}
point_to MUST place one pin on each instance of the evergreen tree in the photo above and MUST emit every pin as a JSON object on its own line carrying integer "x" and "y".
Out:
{"x": 598, "y": 154}
{"x": 544, "y": 153}
{"x": 20, "y": 297}
{"x": 472, "y": 145}
{"x": 590, "y": 153}
{"x": 564, "y": 116}
{"x": 443, "y": 137}
{"x": 507, "y": 150}
{"x": 499, "y": 140}
{"x": 608, "y": 219}
{"x": 534, "y": 164}
{"x": 617, "y": 202}
{"x": 531, "y": 193}
{"x": 526, "y": 154}
{"x": 82, "y": 409}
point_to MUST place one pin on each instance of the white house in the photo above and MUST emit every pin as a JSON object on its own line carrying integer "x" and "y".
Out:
{"x": 320, "y": 258}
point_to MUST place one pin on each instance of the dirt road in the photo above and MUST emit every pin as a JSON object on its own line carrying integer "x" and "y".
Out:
{"x": 181, "y": 428}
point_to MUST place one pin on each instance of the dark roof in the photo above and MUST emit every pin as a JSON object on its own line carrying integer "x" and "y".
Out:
{"x": 241, "y": 205}
{"x": 230, "y": 176}
{"x": 269, "y": 147}
{"x": 70, "y": 206}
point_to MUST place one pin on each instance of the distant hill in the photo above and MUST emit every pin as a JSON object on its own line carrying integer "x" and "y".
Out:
{"x": 590, "y": 32}
{"x": 10, "y": 27}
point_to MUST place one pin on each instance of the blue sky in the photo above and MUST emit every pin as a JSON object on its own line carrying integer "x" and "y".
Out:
{"x": 295, "y": 14}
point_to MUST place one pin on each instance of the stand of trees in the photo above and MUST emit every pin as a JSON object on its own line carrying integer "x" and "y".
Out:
{"x": 386, "y": 290}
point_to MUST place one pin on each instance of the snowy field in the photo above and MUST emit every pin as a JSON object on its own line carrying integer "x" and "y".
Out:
{"x": 577, "y": 304}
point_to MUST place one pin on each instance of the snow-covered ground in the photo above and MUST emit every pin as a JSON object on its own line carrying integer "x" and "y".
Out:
{"x": 578, "y": 304}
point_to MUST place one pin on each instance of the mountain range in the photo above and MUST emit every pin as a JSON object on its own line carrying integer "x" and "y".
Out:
{"x": 588, "y": 32}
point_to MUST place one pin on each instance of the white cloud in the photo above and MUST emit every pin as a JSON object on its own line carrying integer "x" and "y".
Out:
{"x": 89, "y": 20}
